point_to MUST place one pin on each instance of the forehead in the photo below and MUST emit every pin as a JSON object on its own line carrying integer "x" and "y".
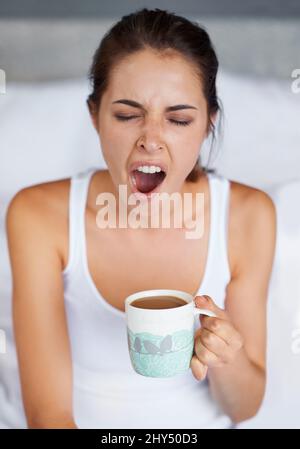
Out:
{"x": 151, "y": 77}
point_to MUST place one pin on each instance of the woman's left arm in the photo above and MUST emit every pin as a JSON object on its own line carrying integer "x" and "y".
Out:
{"x": 231, "y": 349}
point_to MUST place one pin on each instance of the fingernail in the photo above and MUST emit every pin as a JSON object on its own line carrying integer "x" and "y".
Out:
{"x": 200, "y": 299}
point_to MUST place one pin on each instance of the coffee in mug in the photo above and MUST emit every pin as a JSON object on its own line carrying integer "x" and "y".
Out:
{"x": 159, "y": 302}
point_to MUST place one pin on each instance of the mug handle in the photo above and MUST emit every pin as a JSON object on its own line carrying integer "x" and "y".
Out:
{"x": 198, "y": 311}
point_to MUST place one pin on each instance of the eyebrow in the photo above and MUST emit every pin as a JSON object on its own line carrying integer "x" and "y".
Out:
{"x": 135, "y": 104}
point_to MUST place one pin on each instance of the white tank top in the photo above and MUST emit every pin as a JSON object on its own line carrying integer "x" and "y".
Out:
{"x": 107, "y": 392}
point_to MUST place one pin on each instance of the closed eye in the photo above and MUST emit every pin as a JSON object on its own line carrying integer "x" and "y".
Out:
{"x": 180, "y": 122}
{"x": 124, "y": 118}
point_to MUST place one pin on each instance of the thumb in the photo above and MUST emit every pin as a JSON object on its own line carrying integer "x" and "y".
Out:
{"x": 199, "y": 370}
{"x": 206, "y": 302}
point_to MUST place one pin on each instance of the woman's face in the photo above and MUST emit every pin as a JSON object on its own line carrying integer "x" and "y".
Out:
{"x": 152, "y": 133}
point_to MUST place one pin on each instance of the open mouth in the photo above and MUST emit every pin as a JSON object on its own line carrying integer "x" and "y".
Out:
{"x": 147, "y": 182}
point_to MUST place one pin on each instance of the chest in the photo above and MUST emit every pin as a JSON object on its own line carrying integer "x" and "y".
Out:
{"x": 121, "y": 264}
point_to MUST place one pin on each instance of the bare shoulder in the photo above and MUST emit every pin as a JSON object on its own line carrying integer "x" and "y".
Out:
{"x": 41, "y": 201}
{"x": 41, "y": 209}
{"x": 252, "y": 222}
{"x": 40, "y": 198}
{"x": 249, "y": 202}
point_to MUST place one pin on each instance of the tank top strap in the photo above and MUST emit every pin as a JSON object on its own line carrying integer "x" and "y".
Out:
{"x": 79, "y": 184}
{"x": 220, "y": 218}
{"x": 218, "y": 263}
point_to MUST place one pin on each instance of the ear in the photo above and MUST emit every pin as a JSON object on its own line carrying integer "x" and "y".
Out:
{"x": 213, "y": 119}
{"x": 93, "y": 113}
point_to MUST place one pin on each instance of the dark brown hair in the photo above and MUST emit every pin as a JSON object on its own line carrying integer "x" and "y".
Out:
{"x": 161, "y": 31}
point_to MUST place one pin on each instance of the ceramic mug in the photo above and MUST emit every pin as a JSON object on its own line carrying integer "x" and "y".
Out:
{"x": 161, "y": 341}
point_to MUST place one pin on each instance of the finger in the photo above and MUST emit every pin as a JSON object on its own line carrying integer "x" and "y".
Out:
{"x": 216, "y": 345}
{"x": 223, "y": 329}
{"x": 205, "y": 356}
{"x": 207, "y": 302}
{"x": 198, "y": 369}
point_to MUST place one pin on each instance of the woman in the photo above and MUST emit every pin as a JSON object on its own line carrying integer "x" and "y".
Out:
{"x": 153, "y": 102}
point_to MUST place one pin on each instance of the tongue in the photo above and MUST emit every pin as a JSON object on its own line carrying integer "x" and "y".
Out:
{"x": 145, "y": 182}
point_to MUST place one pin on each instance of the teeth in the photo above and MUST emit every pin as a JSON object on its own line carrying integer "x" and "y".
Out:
{"x": 149, "y": 169}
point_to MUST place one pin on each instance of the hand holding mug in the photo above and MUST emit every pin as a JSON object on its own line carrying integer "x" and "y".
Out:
{"x": 217, "y": 342}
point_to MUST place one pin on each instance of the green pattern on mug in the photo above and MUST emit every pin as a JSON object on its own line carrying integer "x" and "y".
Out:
{"x": 161, "y": 355}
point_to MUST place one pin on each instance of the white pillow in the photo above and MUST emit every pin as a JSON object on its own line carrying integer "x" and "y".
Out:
{"x": 261, "y": 145}
{"x": 46, "y": 134}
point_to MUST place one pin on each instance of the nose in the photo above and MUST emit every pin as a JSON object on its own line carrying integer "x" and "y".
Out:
{"x": 150, "y": 141}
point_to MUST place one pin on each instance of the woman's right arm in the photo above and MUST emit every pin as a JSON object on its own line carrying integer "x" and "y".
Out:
{"x": 39, "y": 320}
